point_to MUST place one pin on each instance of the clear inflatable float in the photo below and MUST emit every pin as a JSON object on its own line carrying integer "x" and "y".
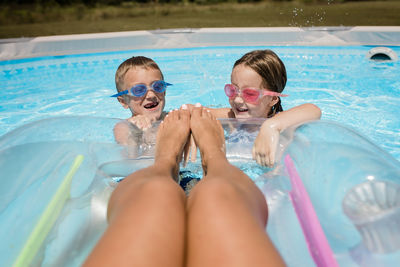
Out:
{"x": 333, "y": 196}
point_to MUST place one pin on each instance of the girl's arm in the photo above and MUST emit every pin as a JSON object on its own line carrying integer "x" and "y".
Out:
{"x": 222, "y": 113}
{"x": 265, "y": 145}
{"x": 293, "y": 116}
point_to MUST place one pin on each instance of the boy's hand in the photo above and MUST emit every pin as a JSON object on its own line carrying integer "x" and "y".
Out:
{"x": 142, "y": 122}
{"x": 265, "y": 145}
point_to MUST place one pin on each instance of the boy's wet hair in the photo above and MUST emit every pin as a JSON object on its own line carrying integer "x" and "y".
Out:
{"x": 133, "y": 62}
{"x": 271, "y": 69}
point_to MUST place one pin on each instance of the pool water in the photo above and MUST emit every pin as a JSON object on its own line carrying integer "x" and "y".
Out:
{"x": 348, "y": 88}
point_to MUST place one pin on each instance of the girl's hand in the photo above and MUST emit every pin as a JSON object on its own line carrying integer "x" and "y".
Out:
{"x": 265, "y": 145}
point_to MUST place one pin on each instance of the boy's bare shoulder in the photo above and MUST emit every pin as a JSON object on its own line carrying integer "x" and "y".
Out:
{"x": 121, "y": 132}
{"x": 122, "y": 125}
{"x": 124, "y": 132}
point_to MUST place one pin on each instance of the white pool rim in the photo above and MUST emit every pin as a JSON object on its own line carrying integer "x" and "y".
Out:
{"x": 16, "y": 48}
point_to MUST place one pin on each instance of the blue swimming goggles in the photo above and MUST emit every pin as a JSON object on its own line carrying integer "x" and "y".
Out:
{"x": 140, "y": 90}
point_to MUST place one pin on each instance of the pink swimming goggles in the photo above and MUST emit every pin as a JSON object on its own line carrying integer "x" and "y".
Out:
{"x": 249, "y": 95}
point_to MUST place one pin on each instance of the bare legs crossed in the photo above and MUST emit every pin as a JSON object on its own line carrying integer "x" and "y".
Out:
{"x": 221, "y": 223}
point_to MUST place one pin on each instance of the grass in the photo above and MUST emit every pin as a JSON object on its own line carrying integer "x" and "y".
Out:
{"x": 43, "y": 21}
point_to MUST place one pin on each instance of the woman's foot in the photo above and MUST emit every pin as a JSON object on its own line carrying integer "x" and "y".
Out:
{"x": 208, "y": 135}
{"x": 172, "y": 136}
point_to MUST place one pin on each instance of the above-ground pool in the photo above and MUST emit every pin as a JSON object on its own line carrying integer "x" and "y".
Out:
{"x": 56, "y": 110}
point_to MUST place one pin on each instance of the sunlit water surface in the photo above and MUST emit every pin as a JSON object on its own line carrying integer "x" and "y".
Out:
{"x": 349, "y": 88}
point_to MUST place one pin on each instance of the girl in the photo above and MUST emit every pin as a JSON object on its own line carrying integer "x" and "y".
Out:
{"x": 257, "y": 81}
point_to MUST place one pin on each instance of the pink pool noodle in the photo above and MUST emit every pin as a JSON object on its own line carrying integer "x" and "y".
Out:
{"x": 316, "y": 240}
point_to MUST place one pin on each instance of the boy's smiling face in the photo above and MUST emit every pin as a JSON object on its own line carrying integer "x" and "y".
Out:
{"x": 152, "y": 103}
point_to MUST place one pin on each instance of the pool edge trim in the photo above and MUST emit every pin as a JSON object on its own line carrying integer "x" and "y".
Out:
{"x": 16, "y": 48}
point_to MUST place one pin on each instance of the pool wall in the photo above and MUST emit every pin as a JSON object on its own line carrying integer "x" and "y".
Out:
{"x": 179, "y": 38}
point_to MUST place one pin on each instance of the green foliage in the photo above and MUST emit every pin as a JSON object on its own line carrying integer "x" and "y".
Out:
{"x": 36, "y": 19}
{"x": 61, "y": 2}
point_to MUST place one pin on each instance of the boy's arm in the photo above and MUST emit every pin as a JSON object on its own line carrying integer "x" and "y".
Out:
{"x": 265, "y": 145}
{"x": 124, "y": 135}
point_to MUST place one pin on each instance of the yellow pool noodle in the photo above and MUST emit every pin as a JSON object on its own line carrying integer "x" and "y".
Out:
{"x": 48, "y": 217}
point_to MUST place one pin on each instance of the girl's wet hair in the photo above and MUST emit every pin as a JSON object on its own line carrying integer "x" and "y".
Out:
{"x": 271, "y": 69}
{"x": 133, "y": 62}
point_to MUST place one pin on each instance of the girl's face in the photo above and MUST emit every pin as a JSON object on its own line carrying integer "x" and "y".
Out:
{"x": 245, "y": 77}
{"x": 152, "y": 103}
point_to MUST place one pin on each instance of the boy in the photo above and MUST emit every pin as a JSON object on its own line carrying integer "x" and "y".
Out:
{"x": 141, "y": 88}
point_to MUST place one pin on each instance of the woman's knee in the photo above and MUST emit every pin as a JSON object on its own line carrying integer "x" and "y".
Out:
{"x": 154, "y": 189}
{"x": 161, "y": 186}
{"x": 213, "y": 193}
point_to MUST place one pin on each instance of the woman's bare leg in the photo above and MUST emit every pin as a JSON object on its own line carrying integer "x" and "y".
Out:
{"x": 146, "y": 212}
{"x": 227, "y": 213}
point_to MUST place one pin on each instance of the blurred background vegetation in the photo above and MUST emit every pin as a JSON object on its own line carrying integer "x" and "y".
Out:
{"x": 24, "y": 18}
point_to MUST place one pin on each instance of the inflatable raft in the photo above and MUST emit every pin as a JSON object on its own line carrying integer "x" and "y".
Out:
{"x": 333, "y": 196}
